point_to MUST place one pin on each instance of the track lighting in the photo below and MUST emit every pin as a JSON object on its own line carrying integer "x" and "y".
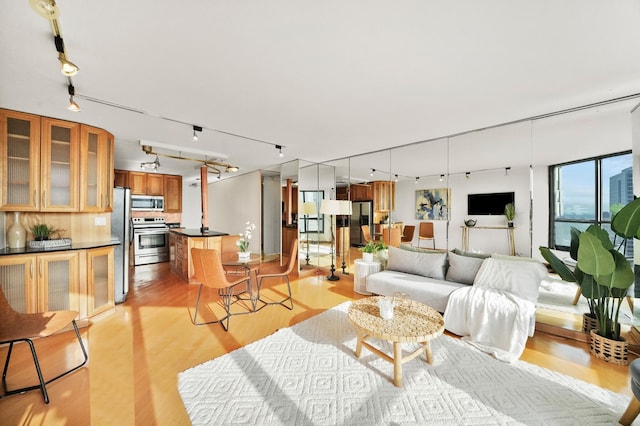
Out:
{"x": 506, "y": 171}
{"x": 441, "y": 178}
{"x": 195, "y": 135}
{"x": 416, "y": 180}
{"x": 467, "y": 175}
{"x": 73, "y": 106}
{"x": 396, "y": 179}
{"x": 45, "y": 8}
{"x": 68, "y": 68}
{"x": 151, "y": 165}
{"x": 372, "y": 172}
{"x": 279, "y": 148}
{"x": 231, "y": 169}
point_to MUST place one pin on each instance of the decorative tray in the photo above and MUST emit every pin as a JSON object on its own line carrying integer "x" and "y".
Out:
{"x": 48, "y": 244}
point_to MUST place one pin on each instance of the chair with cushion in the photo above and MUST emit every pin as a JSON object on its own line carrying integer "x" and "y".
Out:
{"x": 407, "y": 233}
{"x": 17, "y": 327}
{"x": 391, "y": 236}
{"x": 633, "y": 409}
{"x": 208, "y": 271}
{"x": 268, "y": 271}
{"x": 426, "y": 233}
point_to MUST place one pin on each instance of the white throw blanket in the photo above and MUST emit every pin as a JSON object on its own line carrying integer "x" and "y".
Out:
{"x": 497, "y": 313}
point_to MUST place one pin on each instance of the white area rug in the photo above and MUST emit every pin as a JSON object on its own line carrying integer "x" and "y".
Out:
{"x": 308, "y": 374}
{"x": 558, "y": 295}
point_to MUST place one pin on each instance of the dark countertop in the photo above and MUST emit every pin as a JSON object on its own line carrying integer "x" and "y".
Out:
{"x": 74, "y": 246}
{"x": 196, "y": 232}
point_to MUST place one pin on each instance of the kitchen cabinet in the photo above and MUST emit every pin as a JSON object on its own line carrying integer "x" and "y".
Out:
{"x": 384, "y": 196}
{"x": 155, "y": 184}
{"x": 342, "y": 193}
{"x": 182, "y": 245}
{"x": 100, "y": 270}
{"x": 96, "y": 166}
{"x": 289, "y": 234}
{"x": 172, "y": 194}
{"x": 42, "y": 167}
{"x": 121, "y": 178}
{"x": 361, "y": 192}
{"x": 39, "y": 283}
{"x": 138, "y": 183}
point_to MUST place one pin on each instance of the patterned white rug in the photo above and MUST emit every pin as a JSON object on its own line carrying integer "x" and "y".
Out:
{"x": 307, "y": 375}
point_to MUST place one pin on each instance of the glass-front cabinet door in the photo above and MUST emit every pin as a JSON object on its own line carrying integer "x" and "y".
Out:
{"x": 96, "y": 179}
{"x": 58, "y": 285}
{"x": 60, "y": 144}
{"x": 17, "y": 279}
{"x": 20, "y": 156}
{"x": 100, "y": 280}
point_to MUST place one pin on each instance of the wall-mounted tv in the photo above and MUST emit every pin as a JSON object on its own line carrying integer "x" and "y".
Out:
{"x": 488, "y": 204}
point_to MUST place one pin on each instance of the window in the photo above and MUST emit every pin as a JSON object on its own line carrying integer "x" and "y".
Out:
{"x": 312, "y": 222}
{"x": 588, "y": 192}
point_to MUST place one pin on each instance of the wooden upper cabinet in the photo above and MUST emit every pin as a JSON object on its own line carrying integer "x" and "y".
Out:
{"x": 121, "y": 178}
{"x": 96, "y": 168}
{"x": 172, "y": 194}
{"x": 59, "y": 151}
{"x": 361, "y": 192}
{"x": 155, "y": 184}
{"x": 384, "y": 196}
{"x": 138, "y": 183}
{"x": 19, "y": 161}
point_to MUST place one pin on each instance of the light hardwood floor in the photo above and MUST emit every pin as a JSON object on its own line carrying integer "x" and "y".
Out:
{"x": 137, "y": 351}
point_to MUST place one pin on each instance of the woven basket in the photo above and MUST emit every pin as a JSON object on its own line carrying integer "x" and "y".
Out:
{"x": 613, "y": 351}
{"x": 49, "y": 244}
{"x": 589, "y": 323}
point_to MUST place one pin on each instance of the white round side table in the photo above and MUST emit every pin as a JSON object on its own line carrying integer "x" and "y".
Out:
{"x": 362, "y": 271}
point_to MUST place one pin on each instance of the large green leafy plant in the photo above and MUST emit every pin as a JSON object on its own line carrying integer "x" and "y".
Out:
{"x": 603, "y": 273}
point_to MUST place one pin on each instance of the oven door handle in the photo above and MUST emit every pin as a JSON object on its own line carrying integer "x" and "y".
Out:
{"x": 150, "y": 231}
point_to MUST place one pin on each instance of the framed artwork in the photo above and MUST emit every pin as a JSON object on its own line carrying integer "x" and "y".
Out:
{"x": 432, "y": 204}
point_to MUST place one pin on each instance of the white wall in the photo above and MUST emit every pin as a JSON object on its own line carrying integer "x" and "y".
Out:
{"x": 234, "y": 201}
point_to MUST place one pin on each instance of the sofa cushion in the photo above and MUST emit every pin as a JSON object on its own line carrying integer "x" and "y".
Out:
{"x": 426, "y": 264}
{"x": 463, "y": 269}
{"x": 434, "y": 293}
{"x": 472, "y": 254}
{"x": 516, "y": 277}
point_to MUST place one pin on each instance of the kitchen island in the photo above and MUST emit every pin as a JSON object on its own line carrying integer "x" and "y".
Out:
{"x": 182, "y": 240}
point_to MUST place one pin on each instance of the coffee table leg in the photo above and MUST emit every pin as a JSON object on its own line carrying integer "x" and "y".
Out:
{"x": 397, "y": 364}
{"x": 428, "y": 353}
{"x": 360, "y": 335}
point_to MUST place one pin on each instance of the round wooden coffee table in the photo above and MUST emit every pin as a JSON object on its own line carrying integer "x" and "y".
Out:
{"x": 412, "y": 322}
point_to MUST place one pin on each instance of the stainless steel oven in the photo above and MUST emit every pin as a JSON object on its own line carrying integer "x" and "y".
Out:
{"x": 150, "y": 240}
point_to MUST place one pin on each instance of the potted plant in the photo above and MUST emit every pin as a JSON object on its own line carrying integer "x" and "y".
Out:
{"x": 371, "y": 248}
{"x": 510, "y": 214}
{"x": 244, "y": 240}
{"x": 604, "y": 275}
{"x": 42, "y": 231}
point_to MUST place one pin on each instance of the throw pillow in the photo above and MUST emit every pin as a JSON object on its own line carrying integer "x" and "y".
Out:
{"x": 430, "y": 265}
{"x": 409, "y": 247}
{"x": 463, "y": 269}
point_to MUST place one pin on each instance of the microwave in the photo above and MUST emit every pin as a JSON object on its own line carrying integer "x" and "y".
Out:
{"x": 147, "y": 203}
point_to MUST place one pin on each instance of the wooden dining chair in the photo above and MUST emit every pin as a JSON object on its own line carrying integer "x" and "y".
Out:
{"x": 392, "y": 236}
{"x": 208, "y": 271}
{"x": 268, "y": 271}
{"x": 407, "y": 233}
{"x": 18, "y": 327}
{"x": 426, "y": 233}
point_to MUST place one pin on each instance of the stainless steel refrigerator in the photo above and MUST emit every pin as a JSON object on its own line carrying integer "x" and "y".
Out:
{"x": 362, "y": 215}
{"x": 121, "y": 231}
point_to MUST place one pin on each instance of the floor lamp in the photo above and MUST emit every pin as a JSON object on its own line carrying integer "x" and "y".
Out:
{"x": 331, "y": 207}
{"x": 345, "y": 210}
{"x": 308, "y": 207}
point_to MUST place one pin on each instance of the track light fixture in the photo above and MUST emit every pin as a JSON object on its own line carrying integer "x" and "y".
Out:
{"x": 68, "y": 68}
{"x": 507, "y": 170}
{"x": 195, "y": 135}
{"x": 417, "y": 178}
{"x": 279, "y": 148}
{"x": 45, "y": 8}
{"x": 73, "y": 106}
{"x": 396, "y": 178}
{"x": 467, "y": 175}
{"x": 372, "y": 172}
{"x": 441, "y": 178}
{"x": 148, "y": 149}
{"x": 151, "y": 165}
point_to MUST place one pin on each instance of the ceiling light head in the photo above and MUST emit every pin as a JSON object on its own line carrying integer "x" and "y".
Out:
{"x": 73, "y": 106}
{"x": 441, "y": 178}
{"x": 372, "y": 172}
{"x": 151, "y": 165}
{"x": 195, "y": 135}
{"x": 68, "y": 68}
{"x": 231, "y": 169}
{"x": 396, "y": 178}
{"x": 507, "y": 170}
{"x": 45, "y": 8}
{"x": 279, "y": 148}
{"x": 467, "y": 175}
{"x": 417, "y": 178}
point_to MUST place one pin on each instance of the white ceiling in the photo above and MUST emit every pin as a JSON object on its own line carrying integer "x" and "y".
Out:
{"x": 324, "y": 79}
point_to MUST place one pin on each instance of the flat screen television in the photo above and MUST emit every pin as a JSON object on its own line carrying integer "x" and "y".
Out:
{"x": 488, "y": 204}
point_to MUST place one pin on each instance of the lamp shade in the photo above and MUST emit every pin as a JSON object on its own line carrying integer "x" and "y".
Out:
{"x": 309, "y": 207}
{"x": 345, "y": 207}
{"x": 330, "y": 207}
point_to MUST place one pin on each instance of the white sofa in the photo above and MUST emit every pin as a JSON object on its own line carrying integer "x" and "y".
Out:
{"x": 489, "y": 301}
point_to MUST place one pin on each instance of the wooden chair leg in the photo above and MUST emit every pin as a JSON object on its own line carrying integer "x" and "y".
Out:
{"x": 630, "y": 414}
{"x": 577, "y": 296}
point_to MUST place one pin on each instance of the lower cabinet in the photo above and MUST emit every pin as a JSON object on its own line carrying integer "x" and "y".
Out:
{"x": 53, "y": 281}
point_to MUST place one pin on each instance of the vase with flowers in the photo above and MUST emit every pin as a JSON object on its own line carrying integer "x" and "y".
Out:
{"x": 244, "y": 240}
